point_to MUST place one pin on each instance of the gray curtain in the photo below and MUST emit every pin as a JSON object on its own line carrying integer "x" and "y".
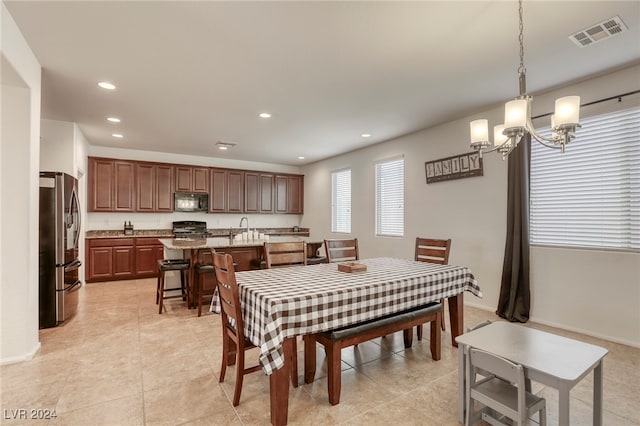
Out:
{"x": 515, "y": 297}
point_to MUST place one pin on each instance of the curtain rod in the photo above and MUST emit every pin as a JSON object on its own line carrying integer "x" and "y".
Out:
{"x": 619, "y": 97}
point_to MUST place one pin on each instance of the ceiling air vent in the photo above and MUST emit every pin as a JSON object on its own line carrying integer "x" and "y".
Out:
{"x": 595, "y": 33}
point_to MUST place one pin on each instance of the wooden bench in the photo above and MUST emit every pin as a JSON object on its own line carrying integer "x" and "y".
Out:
{"x": 334, "y": 340}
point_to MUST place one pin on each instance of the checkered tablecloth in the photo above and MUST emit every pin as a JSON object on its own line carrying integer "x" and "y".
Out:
{"x": 286, "y": 302}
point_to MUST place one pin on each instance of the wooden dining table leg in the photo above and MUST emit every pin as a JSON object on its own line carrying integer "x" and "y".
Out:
{"x": 456, "y": 317}
{"x": 279, "y": 387}
{"x": 309, "y": 357}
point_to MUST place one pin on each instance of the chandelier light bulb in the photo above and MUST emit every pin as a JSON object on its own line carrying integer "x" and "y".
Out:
{"x": 515, "y": 113}
{"x": 567, "y": 110}
{"x": 498, "y": 137}
{"x": 479, "y": 131}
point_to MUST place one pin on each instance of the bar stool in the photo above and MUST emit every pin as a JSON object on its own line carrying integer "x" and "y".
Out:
{"x": 201, "y": 289}
{"x": 165, "y": 265}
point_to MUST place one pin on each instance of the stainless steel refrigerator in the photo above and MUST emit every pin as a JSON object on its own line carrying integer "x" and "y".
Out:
{"x": 58, "y": 248}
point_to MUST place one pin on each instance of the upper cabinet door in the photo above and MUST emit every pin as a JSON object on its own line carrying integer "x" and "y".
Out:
{"x": 184, "y": 178}
{"x": 281, "y": 185}
{"x": 100, "y": 185}
{"x": 235, "y": 191}
{"x": 200, "y": 181}
{"x": 124, "y": 186}
{"x": 145, "y": 187}
{"x": 295, "y": 194}
{"x": 288, "y": 194}
{"x": 218, "y": 194}
{"x": 252, "y": 192}
{"x": 192, "y": 179}
{"x": 266, "y": 193}
{"x": 164, "y": 188}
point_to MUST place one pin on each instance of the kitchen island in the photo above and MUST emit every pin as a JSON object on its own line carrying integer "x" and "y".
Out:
{"x": 247, "y": 254}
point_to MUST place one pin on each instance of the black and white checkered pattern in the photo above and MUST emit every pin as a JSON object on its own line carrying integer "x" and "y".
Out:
{"x": 286, "y": 302}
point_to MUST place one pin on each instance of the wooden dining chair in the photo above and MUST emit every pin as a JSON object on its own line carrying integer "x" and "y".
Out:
{"x": 232, "y": 322}
{"x": 341, "y": 250}
{"x": 282, "y": 255}
{"x": 285, "y": 254}
{"x": 432, "y": 251}
{"x": 501, "y": 391}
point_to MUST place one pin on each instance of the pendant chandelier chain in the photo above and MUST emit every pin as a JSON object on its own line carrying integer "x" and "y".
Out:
{"x": 521, "y": 68}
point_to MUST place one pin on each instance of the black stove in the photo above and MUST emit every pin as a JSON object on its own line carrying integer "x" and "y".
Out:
{"x": 190, "y": 229}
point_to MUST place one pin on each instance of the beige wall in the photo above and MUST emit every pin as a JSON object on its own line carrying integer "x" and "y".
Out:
{"x": 591, "y": 291}
{"x": 19, "y": 155}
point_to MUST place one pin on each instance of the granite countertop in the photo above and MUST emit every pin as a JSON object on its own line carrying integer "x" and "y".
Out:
{"x": 168, "y": 233}
{"x": 188, "y": 243}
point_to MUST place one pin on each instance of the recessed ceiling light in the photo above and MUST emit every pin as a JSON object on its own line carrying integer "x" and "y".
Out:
{"x": 113, "y": 119}
{"x": 224, "y": 145}
{"x": 301, "y": 158}
{"x": 265, "y": 115}
{"x": 117, "y": 135}
{"x": 106, "y": 85}
{"x": 365, "y": 135}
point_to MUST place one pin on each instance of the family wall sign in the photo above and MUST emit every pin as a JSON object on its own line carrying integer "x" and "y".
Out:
{"x": 456, "y": 167}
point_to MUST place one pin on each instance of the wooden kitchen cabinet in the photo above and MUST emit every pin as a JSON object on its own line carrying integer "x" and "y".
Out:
{"x": 154, "y": 188}
{"x": 235, "y": 195}
{"x": 258, "y": 192}
{"x": 124, "y": 186}
{"x": 192, "y": 179}
{"x": 288, "y": 194}
{"x": 226, "y": 191}
{"x": 111, "y": 185}
{"x": 110, "y": 259}
{"x": 123, "y": 262}
{"x": 148, "y": 252}
{"x": 100, "y": 185}
{"x": 244, "y": 257}
{"x": 164, "y": 188}
{"x": 146, "y": 187}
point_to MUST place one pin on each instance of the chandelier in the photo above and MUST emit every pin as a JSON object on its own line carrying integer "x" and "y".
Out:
{"x": 517, "y": 118}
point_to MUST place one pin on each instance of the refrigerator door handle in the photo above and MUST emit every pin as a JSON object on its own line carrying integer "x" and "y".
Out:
{"x": 73, "y": 265}
{"x": 73, "y": 287}
{"x": 75, "y": 200}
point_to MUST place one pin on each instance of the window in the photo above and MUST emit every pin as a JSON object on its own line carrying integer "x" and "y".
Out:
{"x": 589, "y": 196}
{"x": 390, "y": 197}
{"x": 341, "y": 201}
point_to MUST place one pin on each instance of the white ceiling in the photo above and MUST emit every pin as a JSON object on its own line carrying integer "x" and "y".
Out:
{"x": 189, "y": 74}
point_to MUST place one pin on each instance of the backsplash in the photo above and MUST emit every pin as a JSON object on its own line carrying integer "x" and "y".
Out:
{"x": 115, "y": 221}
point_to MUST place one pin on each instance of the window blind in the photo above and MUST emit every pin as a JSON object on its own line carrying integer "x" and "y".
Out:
{"x": 341, "y": 201}
{"x": 590, "y": 195}
{"x": 390, "y": 197}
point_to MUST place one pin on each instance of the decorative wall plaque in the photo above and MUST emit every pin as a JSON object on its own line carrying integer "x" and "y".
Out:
{"x": 457, "y": 167}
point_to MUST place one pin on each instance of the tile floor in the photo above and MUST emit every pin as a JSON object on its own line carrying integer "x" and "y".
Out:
{"x": 120, "y": 363}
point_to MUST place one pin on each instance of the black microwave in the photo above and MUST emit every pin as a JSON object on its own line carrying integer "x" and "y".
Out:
{"x": 190, "y": 202}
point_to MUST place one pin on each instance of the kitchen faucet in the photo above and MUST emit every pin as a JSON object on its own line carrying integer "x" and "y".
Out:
{"x": 242, "y": 220}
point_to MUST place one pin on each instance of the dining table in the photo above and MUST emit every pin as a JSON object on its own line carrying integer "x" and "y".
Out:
{"x": 556, "y": 361}
{"x": 280, "y": 304}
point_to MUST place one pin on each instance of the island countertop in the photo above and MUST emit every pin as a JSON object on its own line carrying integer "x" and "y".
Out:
{"x": 220, "y": 243}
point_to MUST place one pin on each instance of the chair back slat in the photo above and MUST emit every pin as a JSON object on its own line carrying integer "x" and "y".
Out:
{"x": 229, "y": 294}
{"x": 432, "y": 250}
{"x": 496, "y": 365}
{"x": 285, "y": 254}
{"x": 341, "y": 250}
